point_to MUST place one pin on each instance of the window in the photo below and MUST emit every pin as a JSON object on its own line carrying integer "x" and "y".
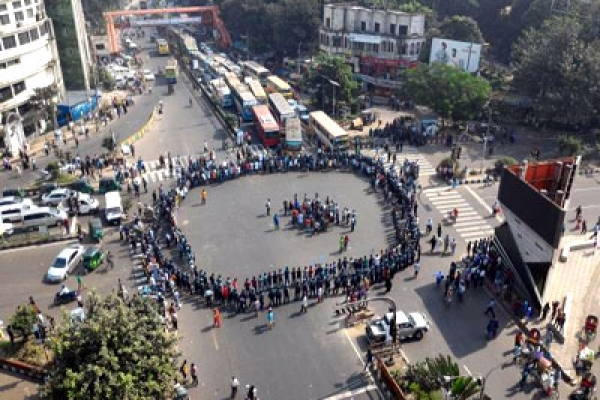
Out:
{"x": 16, "y": 4}
{"x": 363, "y": 26}
{"x": 43, "y": 30}
{"x": 33, "y": 217}
{"x": 402, "y": 30}
{"x": 34, "y": 34}
{"x": 5, "y": 94}
{"x": 418, "y": 47}
{"x": 24, "y": 38}
{"x": 4, "y": 19}
{"x": 377, "y": 26}
{"x": 10, "y": 63}
{"x": 328, "y": 22}
{"x": 29, "y": 13}
{"x": 9, "y": 42}
{"x": 376, "y": 48}
{"x": 27, "y": 2}
{"x": 3, "y": 7}
{"x": 19, "y": 16}
{"x": 19, "y": 87}
{"x": 393, "y": 29}
{"x": 337, "y": 41}
{"x": 100, "y": 46}
{"x": 412, "y": 49}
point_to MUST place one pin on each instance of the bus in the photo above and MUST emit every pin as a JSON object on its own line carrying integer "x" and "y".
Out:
{"x": 267, "y": 127}
{"x": 221, "y": 92}
{"x": 328, "y": 131}
{"x": 256, "y": 71}
{"x": 162, "y": 47}
{"x": 257, "y": 90}
{"x": 171, "y": 71}
{"x": 232, "y": 80}
{"x": 277, "y": 85}
{"x": 244, "y": 101}
{"x": 280, "y": 107}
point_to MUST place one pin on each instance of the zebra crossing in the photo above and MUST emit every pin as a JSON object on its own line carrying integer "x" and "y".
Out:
{"x": 409, "y": 153}
{"x": 154, "y": 172}
{"x": 469, "y": 225}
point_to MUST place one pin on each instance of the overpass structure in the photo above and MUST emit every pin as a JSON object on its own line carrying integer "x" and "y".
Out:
{"x": 209, "y": 16}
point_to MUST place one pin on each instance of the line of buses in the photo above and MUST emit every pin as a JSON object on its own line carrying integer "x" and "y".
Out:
{"x": 259, "y": 97}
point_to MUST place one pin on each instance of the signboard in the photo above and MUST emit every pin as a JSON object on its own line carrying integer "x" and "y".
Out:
{"x": 463, "y": 55}
{"x": 169, "y": 21}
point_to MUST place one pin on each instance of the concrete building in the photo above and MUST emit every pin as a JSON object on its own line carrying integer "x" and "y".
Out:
{"x": 73, "y": 43}
{"x": 28, "y": 60}
{"x": 378, "y": 43}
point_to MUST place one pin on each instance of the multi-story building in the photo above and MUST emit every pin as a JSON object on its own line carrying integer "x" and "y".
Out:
{"x": 28, "y": 60}
{"x": 73, "y": 43}
{"x": 378, "y": 43}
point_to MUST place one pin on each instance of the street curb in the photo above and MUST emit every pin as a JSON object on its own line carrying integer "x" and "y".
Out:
{"x": 28, "y": 371}
{"x": 474, "y": 181}
{"x": 134, "y": 137}
{"x": 30, "y": 244}
{"x": 442, "y": 139}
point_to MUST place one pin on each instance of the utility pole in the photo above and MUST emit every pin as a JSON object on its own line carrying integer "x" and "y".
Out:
{"x": 485, "y": 139}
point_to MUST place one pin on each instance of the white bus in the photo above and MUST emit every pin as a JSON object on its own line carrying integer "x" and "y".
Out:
{"x": 280, "y": 107}
{"x": 328, "y": 131}
{"x": 256, "y": 71}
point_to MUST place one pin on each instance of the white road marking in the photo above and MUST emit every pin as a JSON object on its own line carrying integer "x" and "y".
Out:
{"x": 357, "y": 352}
{"x": 351, "y": 393}
{"x": 483, "y": 203}
{"x": 472, "y": 228}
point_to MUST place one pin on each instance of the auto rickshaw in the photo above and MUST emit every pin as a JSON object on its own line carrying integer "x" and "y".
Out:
{"x": 95, "y": 229}
{"x": 92, "y": 258}
{"x": 109, "y": 185}
{"x": 590, "y": 328}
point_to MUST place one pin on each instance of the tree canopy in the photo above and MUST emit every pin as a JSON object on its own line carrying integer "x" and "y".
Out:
{"x": 448, "y": 91}
{"x": 332, "y": 68}
{"x": 559, "y": 70}
{"x": 120, "y": 351}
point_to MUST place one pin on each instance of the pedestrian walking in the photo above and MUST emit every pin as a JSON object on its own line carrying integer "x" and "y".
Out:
{"x": 545, "y": 311}
{"x": 341, "y": 243}
{"x": 109, "y": 260}
{"x": 276, "y": 221}
{"x": 184, "y": 370}
{"x": 270, "y": 318}
{"x": 555, "y": 305}
{"x": 489, "y": 311}
{"x": 268, "y": 207}
{"x": 194, "y": 372}
{"x": 304, "y": 307}
{"x": 368, "y": 360}
{"x": 79, "y": 283}
{"x": 417, "y": 268}
{"x": 203, "y": 195}
{"x": 234, "y": 386}
{"x": 439, "y": 230}
{"x": 216, "y": 318}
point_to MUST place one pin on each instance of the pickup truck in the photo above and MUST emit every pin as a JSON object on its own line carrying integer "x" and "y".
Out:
{"x": 410, "y": 326}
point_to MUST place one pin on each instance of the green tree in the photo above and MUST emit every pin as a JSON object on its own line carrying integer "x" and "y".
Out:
{"x": 295, "y": 24}
{"x": 332, "y": 69}
{"x": 119, "y": 351}
{"x": 448, "y": 91}
{"x": 23, "y": 319}
{"x": 559, "y": 70}
{"x": 461, "y": 28}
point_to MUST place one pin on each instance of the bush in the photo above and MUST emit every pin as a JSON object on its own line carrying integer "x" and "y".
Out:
{"x": 503, "y": 162}
{"x": 570, "y": 145}
{"x": 23, "y": 319}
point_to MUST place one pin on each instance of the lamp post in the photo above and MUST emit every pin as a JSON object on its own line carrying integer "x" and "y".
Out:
{"x": 487, "y": 134}
{"x": 333, "y": 85}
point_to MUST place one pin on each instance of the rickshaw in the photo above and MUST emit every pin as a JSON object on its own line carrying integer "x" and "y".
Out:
{"x": 590, "y": 327}
{"x": 95, "y": 229}
{"x": 93, "y": 257}
{"x": 109, "y": 185}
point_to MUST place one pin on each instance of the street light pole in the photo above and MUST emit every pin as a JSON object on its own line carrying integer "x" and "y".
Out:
{"x": 485, "y": 139}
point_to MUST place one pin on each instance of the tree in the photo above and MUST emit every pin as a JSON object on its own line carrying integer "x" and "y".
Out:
{"x": 119, "y": 351}
{"x": 43, "y": 103}
{"x": 447, "y": 90}
{"x": 23, "y": 319}
{"x": 461, "y": 28}
{"x": 559, "y": 71}
{"x": 295, "y": 24}
{"x": 332, "y": 69}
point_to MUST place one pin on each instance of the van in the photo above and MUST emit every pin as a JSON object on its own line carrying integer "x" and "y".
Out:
{"x": 113, "y": 208}
{"x": 42, "y": 216}
{"x": 13, "y": 212}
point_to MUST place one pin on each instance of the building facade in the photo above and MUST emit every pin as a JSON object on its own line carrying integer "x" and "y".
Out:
{"x": 28, "y": 61}
{"x": 73, "y": 43}
{"x": 378, "y": 43}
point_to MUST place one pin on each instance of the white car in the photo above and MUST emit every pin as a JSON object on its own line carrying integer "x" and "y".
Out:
{"x": 87, "y": 204}
{"x": 6, "y": 229}
{"x": 412, "y": 325}
{"x": 56, "y": 196}
{"x": 12, "y": 200}
{"x": 64, "y": 263}
{"x": 148, "y": 75}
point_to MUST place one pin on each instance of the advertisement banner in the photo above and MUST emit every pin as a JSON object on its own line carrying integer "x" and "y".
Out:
{"x": 463, "y": 55}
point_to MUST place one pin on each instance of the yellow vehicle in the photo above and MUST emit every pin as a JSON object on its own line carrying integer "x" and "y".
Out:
{"x": 277, "y": 85}
{"x": 162, "y": 47}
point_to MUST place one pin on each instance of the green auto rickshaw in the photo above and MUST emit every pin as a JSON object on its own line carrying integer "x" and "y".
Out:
{"x": 95, "y": 229}
{"x": 92, "y": 258}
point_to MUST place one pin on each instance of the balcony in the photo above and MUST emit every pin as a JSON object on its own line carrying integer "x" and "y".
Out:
{"x": 356, "y": 30}
{"x": 380, "y": 82}
{"x": 31, "y": 64}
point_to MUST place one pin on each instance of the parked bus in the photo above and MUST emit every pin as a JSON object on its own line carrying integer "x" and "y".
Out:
{"x": 232, "y": 80}
{"x": 244, "y": 101}
{"x": 162, "y": 47}
{"x": 277, "y": 85}
{"x": 280, "y": 107}
{"x": 171, "y": 71}
{"x": 221, "y": 93}
{"x": 293, "y": 134}
{"x": 328, "y": 131}
{"x": 267, "y": 127}
{"x": 258, "y": 91}
{"x": 256, "y": 71}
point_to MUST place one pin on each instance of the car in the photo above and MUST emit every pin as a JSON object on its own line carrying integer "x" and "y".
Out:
{"x": 56, "y": 196}
{"x": 413, "y": 325}
{"x": 148, "y": 75}
{"x": 12, "y": 200}
{"x": 64, "y": 263}
{"x": 6, "y": 229}
{"x": 87, "y": 204}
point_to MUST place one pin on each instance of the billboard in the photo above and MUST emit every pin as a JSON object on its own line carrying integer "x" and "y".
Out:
{"x": 463, "y": 55}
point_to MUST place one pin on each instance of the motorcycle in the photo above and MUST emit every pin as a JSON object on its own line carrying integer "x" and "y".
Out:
{"x": 65, "y": 297}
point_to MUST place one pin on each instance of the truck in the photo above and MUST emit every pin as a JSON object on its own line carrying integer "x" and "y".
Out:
{"x": 171, "y": 71}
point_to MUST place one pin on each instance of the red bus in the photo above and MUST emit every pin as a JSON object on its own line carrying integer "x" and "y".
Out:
{"x": 267, "y": 127}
